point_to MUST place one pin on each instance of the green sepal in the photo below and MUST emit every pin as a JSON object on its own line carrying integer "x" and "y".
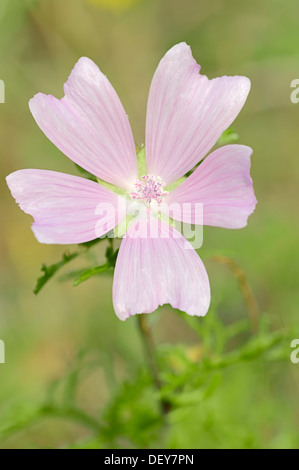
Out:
{"x": 141, "y": 161}
{"x": 228, "y": 137}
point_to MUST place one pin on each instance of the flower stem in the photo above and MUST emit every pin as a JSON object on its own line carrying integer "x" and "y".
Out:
{"x": 149, "y": 349}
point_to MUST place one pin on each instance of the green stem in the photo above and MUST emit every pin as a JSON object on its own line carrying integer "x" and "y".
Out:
{"x": 149, "y": 349}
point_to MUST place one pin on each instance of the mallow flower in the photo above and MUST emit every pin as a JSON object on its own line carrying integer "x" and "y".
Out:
{"x": 186, "y": 115}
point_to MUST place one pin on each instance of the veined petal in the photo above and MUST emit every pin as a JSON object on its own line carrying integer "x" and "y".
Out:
{"x": 66, "y": 209}
{"x": 89, "y": 125}
{"x": 152, "y": 271}
{"x": 187, "y": 113}
{"x": 222, "y": 183}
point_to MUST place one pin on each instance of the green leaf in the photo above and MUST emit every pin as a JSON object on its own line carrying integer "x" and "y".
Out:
{"x": 91, "y": 243}
{"x": 49, "y": 271}
{"x": 111, "y": 256}
{"x": 141, "y": 162}
{"x": 85, "y": 173}
{"x": 133, "y": 413}
{"x": 87, "y": 273}
{"x": 228, "y": 137}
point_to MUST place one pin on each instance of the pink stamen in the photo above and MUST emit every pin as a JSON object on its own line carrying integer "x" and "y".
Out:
{"x": 150, "y": 188}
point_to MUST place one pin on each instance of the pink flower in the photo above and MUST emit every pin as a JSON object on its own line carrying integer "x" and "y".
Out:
{"x": 186, "y": 115}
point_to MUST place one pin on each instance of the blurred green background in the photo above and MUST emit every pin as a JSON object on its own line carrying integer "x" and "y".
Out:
{"x": 256, "y": 404}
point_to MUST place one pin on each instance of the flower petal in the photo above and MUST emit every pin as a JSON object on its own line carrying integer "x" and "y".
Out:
{"x": 187, "y": 113}
{"x": 89, "y": 125}
{"x": 66, "y": 209}
{"x": 222, "y": 183}
{"x": 154, "y": 271}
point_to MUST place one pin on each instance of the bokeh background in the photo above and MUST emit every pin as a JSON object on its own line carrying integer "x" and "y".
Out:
{"x": 256, "y": 404}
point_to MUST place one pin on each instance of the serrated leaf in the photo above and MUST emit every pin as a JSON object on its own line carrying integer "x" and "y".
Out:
{"x": 49, "y": 271}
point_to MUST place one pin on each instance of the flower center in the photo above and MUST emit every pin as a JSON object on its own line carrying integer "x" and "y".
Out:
{"x": 150, "y": 188}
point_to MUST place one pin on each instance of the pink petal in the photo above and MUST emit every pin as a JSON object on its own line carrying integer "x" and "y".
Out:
{"x": 154, "y": 271}
{"x": 66, "y": 209}
{"x": 187, "y": 113}
{"x": 90, "y": 125}
{"x": 222, "y": 183}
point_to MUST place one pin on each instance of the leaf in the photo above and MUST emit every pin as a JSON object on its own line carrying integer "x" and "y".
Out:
{"x": 133, "y": 413}
{"x": 91, "y": 243}
{"x": 86, "y": 173}
{"x": 111, "y": 256}
{"x": 49, "y": 271}
{"x": 141, "y": 162}
{"x": 87, "y": 273}
{"x": 228, "y": 137}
